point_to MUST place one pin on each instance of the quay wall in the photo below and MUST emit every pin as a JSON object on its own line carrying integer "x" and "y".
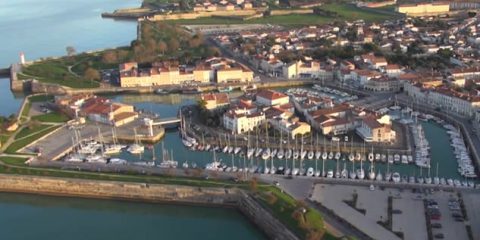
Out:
{"x": 292, "y": 11}
{"x": 237, "y": 198}
{"x": 195, "y": 15}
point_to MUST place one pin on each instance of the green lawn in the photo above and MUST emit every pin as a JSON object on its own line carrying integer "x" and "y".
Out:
{"x": 56, "y": 71}
{"x": 17, "y": 161}
{"x": 40, "y": 98}
{"x": 18, "y": 144}
{"x": 284, "y": 208}
{"x": 26, "y": 110}
{"x": 29, "y": 130}
{"x": 351, "y": 12}
{"x": 53, "y": 117}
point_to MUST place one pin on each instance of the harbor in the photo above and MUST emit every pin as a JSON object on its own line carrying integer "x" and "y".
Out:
{"x": 186, "y": 148}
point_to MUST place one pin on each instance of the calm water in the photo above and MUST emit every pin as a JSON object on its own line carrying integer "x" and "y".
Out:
{"x": 27, "y": 217}
{"x": 42, "y": 28}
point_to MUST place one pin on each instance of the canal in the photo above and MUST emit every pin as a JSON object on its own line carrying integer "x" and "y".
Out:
{"x": 27, "y": 216}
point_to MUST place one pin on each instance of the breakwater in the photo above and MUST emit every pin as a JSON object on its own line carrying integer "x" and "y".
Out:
{"x": 150, "y": 192}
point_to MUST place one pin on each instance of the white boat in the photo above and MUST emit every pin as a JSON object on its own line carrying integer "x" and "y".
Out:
{"x": 310, "y": 155}
{"x": 96, "y": 159}
{"x": 377, "y": 157}
{"x": 187, "y": 143}
{"x": 344, "y": 173}
{"x": 396, "y": 177}
{"x": 351, "y": 157}
{"x": 136, "y": 148}
{"x": 396, "y": 158}
{"x": 273, "y": 153}
{"x": 371, "y": 175}
{"x": 318, "y": 155}
{"x": 436, "y": 180}
{"x": 360, "y": 173}
{"x": 317, "y": 173}
{"x": 295, "y": 171}
{"x": 225, "y": 149}
{"x": 113, "y": 149}
{"x": 143, "y": 164}
{"x": 288, "y": 154}
{"x": 388, "y": 177}
{"x": 117, "y": 161}
{"x": 230, "y": 149}
{"x": 74, "y": 158}
{"x": 404, "y": 159}
{"x": 250, "y": 152}
{"x": 296, "y": 154}
{"x": 428, "y": 180}
{"x": 330, "y": 155}
{"x": 266, "y": 170}
{"x": 168, "y": 164}
{"x": 324, "y": 155}
{"x": 353, "y": 174}
{"x": 370, "y": 157}
{"x": 390, "y": 159}
{"x": 420, "y": 180}
{"x": 358, "y": 156}
{"x": 338, "y": 155}
{"x": 411, "y": 179}
{"x": 288, "y": 171}
{"x": 266, "y": 154}
{"x": 379, "y": 176}
{"x": 237, "y": 150}
{"x": 330, "y": 174}
{"x": 185, "y": 164}
{"x": 280, "y": 154}
{"x": 258, "y": 152}
{"x": 303, "y": 154}
{"x": 450, "y": 182}
{"x": 443, "y": 181}
{"x": 310, "y": 172}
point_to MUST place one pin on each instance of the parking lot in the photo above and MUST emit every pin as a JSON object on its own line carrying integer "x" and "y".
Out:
{"x": 408, "y": 211}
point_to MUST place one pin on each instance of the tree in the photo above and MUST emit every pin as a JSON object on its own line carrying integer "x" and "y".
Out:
{"x": 162, "y": 47}
{"x": 70, "y": 51}
{"x": 110, "y": 57}
{"x": 195, "y": 41}
{"x": 173, "y": 45}
{"x": 91, "y": 74}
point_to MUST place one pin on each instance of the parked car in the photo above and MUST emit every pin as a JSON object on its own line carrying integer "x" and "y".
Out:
{"x": 439, "y": 236}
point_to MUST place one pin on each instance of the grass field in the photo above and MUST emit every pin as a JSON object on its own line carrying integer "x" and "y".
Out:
{"x": 18, "y": 144}
{"x": 17, "y": 161}
{"x": 351, "y": 12}
{"x": 40, "y": 98}
{"x": 27, "y": 131}
{"x": 56, "y": 71}
{"x": 284, "y": 208}
{"x": 53, "y": 117}
{"x": 345, "y": 12}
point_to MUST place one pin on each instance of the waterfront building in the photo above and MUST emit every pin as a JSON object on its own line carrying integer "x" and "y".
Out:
{"x": 445, "y": 98}
{"x": 424, "y": 9}
{"x": 96, "y": 109}
{"x": 220, "y": 70}
{"x": 383, "y": 84}
{"x": 241, "y": 122}
{"x": 215, "y": 101}
{"x": 290, "y": 127}
{"x": 271, "y": 98}
{"x": 371, "y": 130}
{"x": 306, "y": 69}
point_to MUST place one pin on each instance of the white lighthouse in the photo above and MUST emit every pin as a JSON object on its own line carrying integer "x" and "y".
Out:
{"x": 22, "y": 58}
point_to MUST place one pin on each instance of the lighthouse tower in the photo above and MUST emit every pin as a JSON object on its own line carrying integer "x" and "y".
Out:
{"x": 22, "y": 58}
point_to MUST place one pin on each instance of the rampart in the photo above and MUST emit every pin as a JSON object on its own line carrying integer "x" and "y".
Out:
{"x": 152, "y": 193}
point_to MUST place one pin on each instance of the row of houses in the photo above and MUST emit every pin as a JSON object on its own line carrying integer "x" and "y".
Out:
{"x": 337, "y": 119}
{"x": 97, "y": 109}
{"x": 266, "y": 107}
{"x": 220, "y": 70}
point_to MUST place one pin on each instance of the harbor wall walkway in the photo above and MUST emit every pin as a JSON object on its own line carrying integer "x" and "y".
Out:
{"x": 152, "y": 193}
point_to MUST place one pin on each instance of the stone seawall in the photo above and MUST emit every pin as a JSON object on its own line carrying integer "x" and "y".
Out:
{"x": 272, "y": 227}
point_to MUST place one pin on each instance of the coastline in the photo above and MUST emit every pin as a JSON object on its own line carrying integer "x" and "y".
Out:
{"x": 153, "y": 193}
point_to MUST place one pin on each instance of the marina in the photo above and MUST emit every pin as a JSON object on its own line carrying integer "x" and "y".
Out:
{"x": 333, "y": 160}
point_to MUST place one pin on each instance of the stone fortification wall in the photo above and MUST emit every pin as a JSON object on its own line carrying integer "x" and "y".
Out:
{"x": 272, "y": 227}
{"x": 194, "y": 15}
{"x": 292, "y": 11}
{"x": 117, "y": 190}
